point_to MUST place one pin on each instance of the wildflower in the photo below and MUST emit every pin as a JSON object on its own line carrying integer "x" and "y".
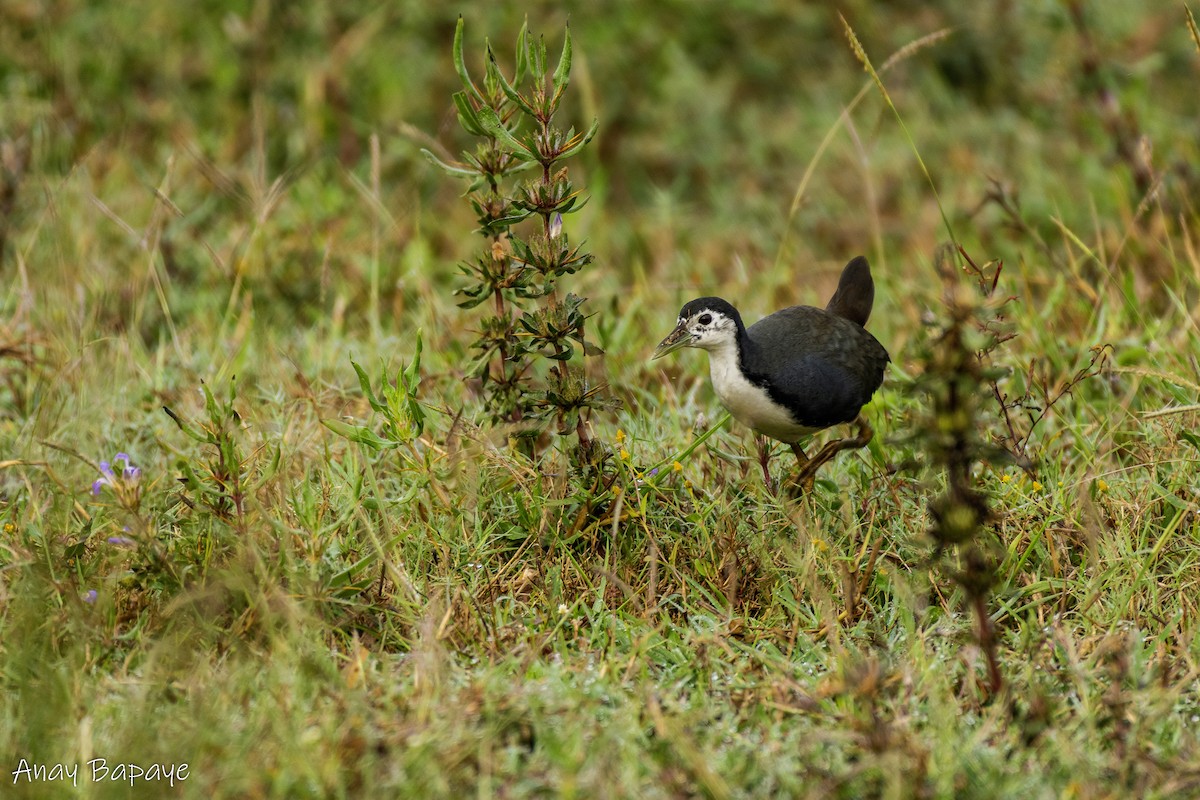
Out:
{"x": 10, "y": 528}
{"x": 556, "y": 226}
{"x": 89, "y": 596}
{"x": 624, "y": 454}
{"x": 620, "y": 435}
{"x": 1005, "y": 478}
{"x": 129, "y": 474}
{"x": 1102, "y": 485}
{"x": 653, "y": 472}
{"x": 1037, "y": 486}
{"x": 122, "y": 541}
{"x": 123, "y": 483}
{"x": 677, "y": 467}
{"x": 563, "y": 610}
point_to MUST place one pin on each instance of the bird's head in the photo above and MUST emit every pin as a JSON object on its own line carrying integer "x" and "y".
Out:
{"x": 708, "y": 323}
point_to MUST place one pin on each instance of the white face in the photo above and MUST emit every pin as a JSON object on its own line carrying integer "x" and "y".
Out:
{"x": 709, "y": 323}
{"x": 709, "y": 329}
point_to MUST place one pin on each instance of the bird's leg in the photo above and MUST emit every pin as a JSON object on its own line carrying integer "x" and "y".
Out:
{"x": 808, "y": 471}
{"x": 801, "y": 486}
{"x": 801, "y": 456}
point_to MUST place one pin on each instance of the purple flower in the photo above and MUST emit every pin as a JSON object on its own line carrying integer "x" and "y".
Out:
{"x": 122, "y": 541}
{"x": 556, "y": 226}
{"x": 108, "y": 477}
{"x": 129, "y": 472}
{"x": 89, "y": 596}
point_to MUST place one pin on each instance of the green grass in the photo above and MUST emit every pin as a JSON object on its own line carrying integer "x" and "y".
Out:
{"x": 201, "y": 201}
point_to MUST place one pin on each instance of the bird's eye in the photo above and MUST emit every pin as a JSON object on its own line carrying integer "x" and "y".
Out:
{"x": 705, "y": 319}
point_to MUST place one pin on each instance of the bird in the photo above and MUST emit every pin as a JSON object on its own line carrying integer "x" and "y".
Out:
{"x": 795, "y": 372}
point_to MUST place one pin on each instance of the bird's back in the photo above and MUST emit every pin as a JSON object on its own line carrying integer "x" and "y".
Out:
{"x": 823, "y": 367}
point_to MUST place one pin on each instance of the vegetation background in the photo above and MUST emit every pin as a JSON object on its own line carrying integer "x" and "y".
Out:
{"x": 194, "y": 192}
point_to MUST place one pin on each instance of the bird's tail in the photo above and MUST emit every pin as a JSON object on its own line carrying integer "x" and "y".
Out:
{"x": 855, "y": 292}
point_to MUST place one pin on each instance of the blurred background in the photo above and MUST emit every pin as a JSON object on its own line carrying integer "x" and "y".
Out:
{"x": 238, "y": 136}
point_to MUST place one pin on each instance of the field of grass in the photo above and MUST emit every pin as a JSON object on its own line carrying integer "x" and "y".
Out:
{"x": 215, "y": 211}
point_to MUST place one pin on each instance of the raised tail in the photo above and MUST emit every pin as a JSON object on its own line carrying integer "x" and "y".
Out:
{"x": 855, "y": 292}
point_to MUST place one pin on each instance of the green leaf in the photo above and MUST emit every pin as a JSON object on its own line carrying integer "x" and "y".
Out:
{"x": 210, "y": 404}
{"x": 271, "y": 470}
{"x": 479, "y": 300}
{"x": 466, "y": 114}
{"x": 579, "y": 145}
{"x": 537, "y": 56}
{"x": 562, "y": 74}
{"x": 506, "y": 87}
{"x": 460, "y": 65}
{"x": 187, "y": 429}
{"x": 457, "y": 172}
{"x": 522, "y": 53}
{"x": 359, "y": 433}
{"x": 479, "y": 366}
{"x": 412, "y": 373}
{"x": 495, "y": 128}
{"x": 511, "y": 219}
{"x": 77, "y": 549}
{"x": 567, "y": 351}
{"x": 365, "y": 382}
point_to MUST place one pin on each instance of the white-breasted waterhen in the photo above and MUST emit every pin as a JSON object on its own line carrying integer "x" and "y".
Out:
{"x": 795, "y": 372}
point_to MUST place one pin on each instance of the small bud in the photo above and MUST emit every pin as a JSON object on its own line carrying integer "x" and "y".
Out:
{"x": 556, "y": 226}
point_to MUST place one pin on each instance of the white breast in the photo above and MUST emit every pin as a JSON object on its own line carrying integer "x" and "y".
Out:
{"x": 750, "y": 404}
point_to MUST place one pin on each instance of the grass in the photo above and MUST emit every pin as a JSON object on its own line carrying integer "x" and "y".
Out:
{"x": 242, "y": 194}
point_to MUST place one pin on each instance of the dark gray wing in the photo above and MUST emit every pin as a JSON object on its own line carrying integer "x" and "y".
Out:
{"x": 822, "y": 367}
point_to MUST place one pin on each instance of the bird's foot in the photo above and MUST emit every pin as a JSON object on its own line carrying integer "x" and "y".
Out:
{"x": 807, "y": 476}
{"x": 801, "y": 485}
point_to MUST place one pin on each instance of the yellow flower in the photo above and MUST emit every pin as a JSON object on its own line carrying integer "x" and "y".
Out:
{"x": 820, "y": 544}
{"x": 620, "y": 435}
{"x": 677, "y": 467}
{"x": 624, "y": 454}
{"x": 1102, "y": 485}
{"x": 1037, "y": 487}
{"x": 1005, "y": 478}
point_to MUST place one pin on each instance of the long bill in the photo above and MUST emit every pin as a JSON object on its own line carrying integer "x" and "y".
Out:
{"x": 676, "y": 339}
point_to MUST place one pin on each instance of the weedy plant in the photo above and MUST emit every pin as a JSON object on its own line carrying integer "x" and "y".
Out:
{"x": 396, "y": 403}
{"x": 954, "y": 382}
{"x": 224, "y": 481}
{"x": 403, "y": 419}
{"x": 528, "y": 346}
{"x": 964, "y": 369}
